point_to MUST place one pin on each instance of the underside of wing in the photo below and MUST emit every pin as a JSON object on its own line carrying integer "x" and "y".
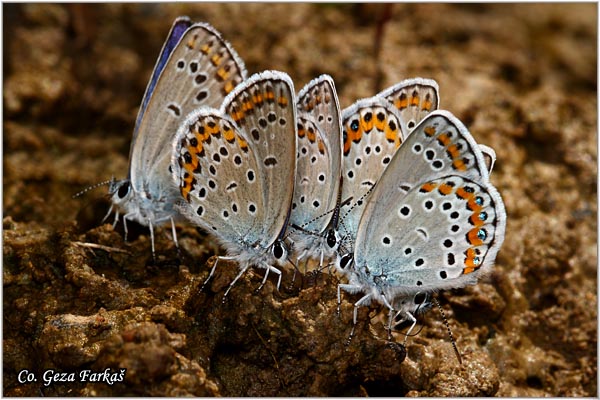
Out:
{"x": 319, "y": 155}
{"x": 441, "y": 234}
{"x": 178, "y": 28}
{"x": 200, "y": 71}
{"x": 217, "y": 175}
{"x": 264, "y": 109}
{"x": 313, "y": 195}
{"x": 437, "y": 176}
{"x": 372, "y": 132}
{"x": 414, "y": 99}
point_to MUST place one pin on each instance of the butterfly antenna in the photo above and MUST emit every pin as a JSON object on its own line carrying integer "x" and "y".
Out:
{"x": 319, "y": 217}
{"x": 334, "y": 219}
{"x": 306, "y": 231}
{"x": 358, "y": 202}
{"x": 449, "y": 330}
{"x": 87, "y": 189}
{"x": 338, "y": 206}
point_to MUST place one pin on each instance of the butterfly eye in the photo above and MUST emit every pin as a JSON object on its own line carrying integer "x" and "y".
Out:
{"x": 331, "y": 239}
{"x": 279, "y": 250}
{"x": 346, "y": 260}
{"x": 420, "y": 298}
{"x": 123, "y": 190}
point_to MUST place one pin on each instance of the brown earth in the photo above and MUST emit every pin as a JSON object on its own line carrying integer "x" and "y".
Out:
{"x": 521, "y": 77}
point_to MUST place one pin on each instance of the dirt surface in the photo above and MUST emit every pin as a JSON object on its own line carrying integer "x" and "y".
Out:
{"x": 521, "y": 77}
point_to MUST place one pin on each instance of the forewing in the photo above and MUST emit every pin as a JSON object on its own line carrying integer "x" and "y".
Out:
{"x": 178, "y": 28}
{"x": 314, "y": 179}
{"x": 200, "y": 71}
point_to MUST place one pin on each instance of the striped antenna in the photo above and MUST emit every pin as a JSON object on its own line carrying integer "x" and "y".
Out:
{"x": 449, "y": 331}
{"x": 97, "y": 185}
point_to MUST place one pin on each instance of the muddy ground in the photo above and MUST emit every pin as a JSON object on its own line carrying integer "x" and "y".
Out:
{"x": 521, "y": 77}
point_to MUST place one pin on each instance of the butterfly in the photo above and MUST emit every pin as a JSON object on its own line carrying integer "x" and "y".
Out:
{"x": 433, "y": 221}
{"x": 235, "y": 169}
{"x": 196, "y": 67}
{"x": 315, "y": 207}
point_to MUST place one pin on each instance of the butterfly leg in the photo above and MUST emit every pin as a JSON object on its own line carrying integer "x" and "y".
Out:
{"x": 412, "y": 319}
{"x": 174, "y": 233}
{"x": 267, "y": 268}
{"x": 293, "y": 278}
{"x": 152, "y": 238}
{"x": 347, "y": 288}
{"x": 107, "y": 214}
{"x": 295, "y": 272}
{"x": 365, "y": 300}
{"x": 278, "y": 272}
{"x": 301, "y": 257}
{"x": 321, "y": 260}
{"x": 239, "y": 275}
{"x": 390, "y": 315}
{"x": 116, "y": 218}
{"x": 125, "y": 225}
{"x": 296, "y": 268}
{"x": 329, "y": 263}
{"x": 339, "y": 299}
{"x": 210, "y": 274}
{"x": 270, "y": 269}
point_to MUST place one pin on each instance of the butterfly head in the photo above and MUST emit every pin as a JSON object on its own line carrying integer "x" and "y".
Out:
{"x": 279, "y": 251}
{"x": 120, "y": 192}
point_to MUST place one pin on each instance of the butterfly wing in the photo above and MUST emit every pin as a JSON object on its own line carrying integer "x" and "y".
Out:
{"x": 217, "y": 175}
{"x": 264, "y": 109}
{"x": 433, "y": 221}
{"x": 311, "y": 191}
{"x": 414, "y": 99}
{"x": 319, "y": 155}
{"x": 200, "y": 70}
{"x": 372, "y": 132}
{"x": 178, "y": 28}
